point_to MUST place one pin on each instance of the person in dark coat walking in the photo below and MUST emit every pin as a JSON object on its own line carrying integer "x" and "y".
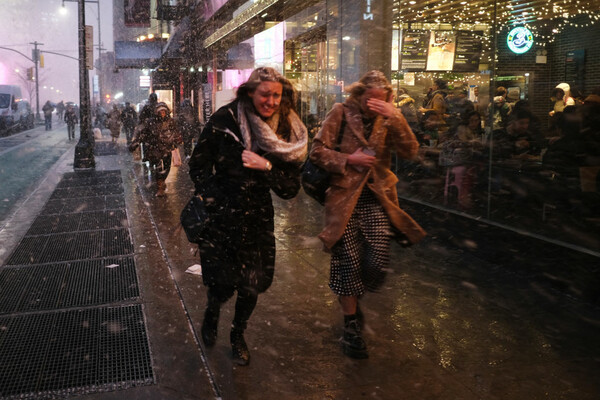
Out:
{"x": 160, "y": 136}
{"x": 129, "y": 119}
{"x": 249, "y": 147}
{"x": 71, "y": 120}
{"x": 48, "y": 109}
{"x": 60, "y": 110}
{"x": 189, "y": 124}
{"x": 148, "y": 110}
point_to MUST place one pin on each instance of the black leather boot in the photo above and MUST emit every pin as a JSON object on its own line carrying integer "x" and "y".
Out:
{"x": 210, "y": 325}
{"x": 353, "y": 345}
{"x": 239, "y": 349}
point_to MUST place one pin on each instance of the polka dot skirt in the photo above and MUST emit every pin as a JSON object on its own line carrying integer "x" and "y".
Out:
{"x": 360, "y": 258}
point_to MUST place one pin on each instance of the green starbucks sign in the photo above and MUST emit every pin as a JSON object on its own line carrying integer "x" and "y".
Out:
{"x": 519, "y": 40}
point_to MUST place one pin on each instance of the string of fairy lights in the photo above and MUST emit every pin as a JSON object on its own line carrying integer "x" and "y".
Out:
{"x": 545, "y": 18}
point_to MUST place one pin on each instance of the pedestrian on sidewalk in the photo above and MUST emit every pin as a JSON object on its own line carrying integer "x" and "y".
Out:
{"x": 114, "y": 123}
{"x": 189, "y": 124}
{"x": 361, "y": 208}
{"x": 160, "y": 136}
{"x": 48, "y": 109}
{"x": 71, "y": 120}
{"x": 249, "y": 147}
{"x": 129, "y": 119}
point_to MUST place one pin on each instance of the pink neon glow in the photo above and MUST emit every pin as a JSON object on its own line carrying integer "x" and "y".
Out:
{"x": 233, "y": 78}
{"x": 268, "y": 47}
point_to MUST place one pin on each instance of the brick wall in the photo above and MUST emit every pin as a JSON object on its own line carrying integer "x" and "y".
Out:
{"x": 583, "y": 38}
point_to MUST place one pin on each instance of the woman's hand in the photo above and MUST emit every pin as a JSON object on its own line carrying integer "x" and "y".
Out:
{"x": 381, "y": 107}
{"x": 254, "y": 161}
{"x": 360, "y": 159}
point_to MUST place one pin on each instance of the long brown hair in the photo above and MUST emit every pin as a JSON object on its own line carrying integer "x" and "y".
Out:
{"x": 288, "y": 96}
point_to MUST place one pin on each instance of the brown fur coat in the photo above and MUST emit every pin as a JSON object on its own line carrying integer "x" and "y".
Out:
{"x": 391, "y": 134}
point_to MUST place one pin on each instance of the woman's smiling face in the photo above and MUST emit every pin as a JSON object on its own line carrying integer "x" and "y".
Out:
{"x": 266, "y": 98}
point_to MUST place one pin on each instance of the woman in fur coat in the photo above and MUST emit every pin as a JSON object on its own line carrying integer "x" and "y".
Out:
{"x": 361, "y": 206}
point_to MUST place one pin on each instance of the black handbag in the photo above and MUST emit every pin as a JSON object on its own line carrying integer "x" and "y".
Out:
{"x": 315, "y": 180}
{"x": 193, "y": 219}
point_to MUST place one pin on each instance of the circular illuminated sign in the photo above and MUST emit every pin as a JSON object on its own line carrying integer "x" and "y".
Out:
{"x": 520, "y": 40}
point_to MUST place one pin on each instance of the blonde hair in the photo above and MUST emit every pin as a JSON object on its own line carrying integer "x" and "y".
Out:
{"x": 371, "y": 80}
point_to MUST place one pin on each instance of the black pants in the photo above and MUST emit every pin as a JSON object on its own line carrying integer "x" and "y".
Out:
{"x": 71, "y": 131}
{"x": 244, "y": 304}
{"x": 160, "y": 170}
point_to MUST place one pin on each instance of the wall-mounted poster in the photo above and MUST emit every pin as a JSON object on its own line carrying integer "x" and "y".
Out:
{"x": 441, "y": 51}
{"x": 468, "y": 51}
{"x": 414, "y": 50}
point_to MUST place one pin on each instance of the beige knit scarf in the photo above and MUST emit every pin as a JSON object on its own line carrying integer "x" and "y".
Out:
{"x": 260, "y": 134}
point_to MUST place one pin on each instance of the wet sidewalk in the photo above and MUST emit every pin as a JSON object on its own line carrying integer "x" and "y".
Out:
{"x": 472, "y": 312}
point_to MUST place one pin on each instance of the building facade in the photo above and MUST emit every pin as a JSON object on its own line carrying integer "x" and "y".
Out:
{"x": 502, "y": 59}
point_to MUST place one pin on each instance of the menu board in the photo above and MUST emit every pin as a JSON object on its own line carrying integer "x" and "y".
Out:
{"x": 440, "y": 56}
{"x": 414, "y": 50}
{"x": 468, "y": 51}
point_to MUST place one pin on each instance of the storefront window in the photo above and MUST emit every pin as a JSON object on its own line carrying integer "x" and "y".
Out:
{"x": 496, "y": 94}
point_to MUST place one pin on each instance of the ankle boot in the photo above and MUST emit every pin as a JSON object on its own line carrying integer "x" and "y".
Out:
{"x": 239, "y": 349}
{"x": 210, "y": 326}
{"x": 353, "y": 345}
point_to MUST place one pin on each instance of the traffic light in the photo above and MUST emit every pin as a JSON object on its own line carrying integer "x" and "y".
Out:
{"x": 30, "y": 76}
{"x": 41, "y": 61}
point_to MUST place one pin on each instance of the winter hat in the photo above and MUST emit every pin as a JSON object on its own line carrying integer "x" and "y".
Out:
{"x": 162, "y": 106}
{"x": 564, "y": 86}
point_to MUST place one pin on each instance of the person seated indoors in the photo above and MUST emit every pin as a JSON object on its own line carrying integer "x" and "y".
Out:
{"x": 535, "y": 125}
{"x": 561, "y": 96}
{"x": 516, "y": 140}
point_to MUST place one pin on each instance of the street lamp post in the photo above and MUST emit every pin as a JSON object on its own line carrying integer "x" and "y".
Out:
{"x": 84, "y": 151}
{"x": 99, "y": 69}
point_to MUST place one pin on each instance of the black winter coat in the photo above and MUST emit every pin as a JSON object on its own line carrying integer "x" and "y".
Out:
{"x": 238, "y": 248}
{"x": 159, "y": 136}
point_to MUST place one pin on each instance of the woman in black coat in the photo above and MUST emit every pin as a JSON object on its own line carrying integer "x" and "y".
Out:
{"x": 249, "y": 147}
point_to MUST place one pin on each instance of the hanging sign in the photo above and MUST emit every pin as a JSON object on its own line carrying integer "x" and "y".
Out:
{"x": 89, "y": 46}
{"x": 519, "y": 40}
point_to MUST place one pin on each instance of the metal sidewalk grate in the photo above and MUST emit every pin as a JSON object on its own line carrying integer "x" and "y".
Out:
{"x": 105, "y": 149}
{"x": 85, "y": 204}
{"x": 71, "y": 246}
{"x": 86, "y": 191}
{"x": 93, "y": 174}
{"x": 82, "y": 181}
{"x": 58, "y": 337}
{"x": 64, "y": 285}
{"x": 73, "y": 352}
{"x": 48, "y": 224}
{"x": 110, "y": 219}
{"x": 116, "y": 242}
